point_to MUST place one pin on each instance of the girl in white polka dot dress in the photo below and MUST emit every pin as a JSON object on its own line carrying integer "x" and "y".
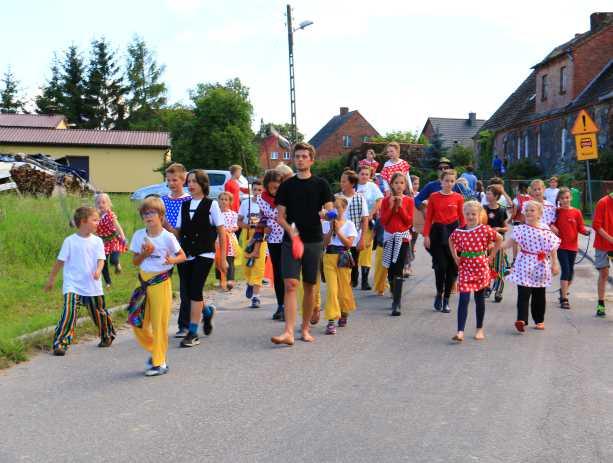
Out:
{"x": 230, "y": 218}
{"x": 472, "y": 248}
{"x": 534, "y": 266}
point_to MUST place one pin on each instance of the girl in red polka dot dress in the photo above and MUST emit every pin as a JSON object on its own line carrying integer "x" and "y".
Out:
{"x": 473, "y": 248}
{"x": 112, "y": 235}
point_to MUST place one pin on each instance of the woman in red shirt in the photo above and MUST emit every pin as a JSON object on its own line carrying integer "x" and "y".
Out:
{"x": 443, "y": 215}
{"x": 569, "y": 222}
{"x": 397, "y": 219}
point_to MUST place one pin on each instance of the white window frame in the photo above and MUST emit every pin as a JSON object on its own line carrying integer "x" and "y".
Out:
{"x": 538, "y": 142}
{"x": 526, "y": 145}
{"x": 274, "y": 155}
{"x": 518, "y": 140}
{"x": 563, "y": 144}
{"x": 347, "y": 141}
{"x": 286, "y": 156}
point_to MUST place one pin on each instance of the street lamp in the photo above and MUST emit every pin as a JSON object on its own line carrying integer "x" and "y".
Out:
{"x": 292, "y": 83}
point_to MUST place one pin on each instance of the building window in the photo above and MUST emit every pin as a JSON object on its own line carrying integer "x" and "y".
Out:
{"x": 563, "y": 143}
{"x": 364, "y": 138}
{"x": 346, "y": 141}
{"x": 544, "y": 87}
{"x": 526, "y": 151}
{"x": 274, "y": 155}
{"x": 518, "y": 141}
{"x": 538, "y": 142}
{"x": 286, "y": 156}
{"x": 563, "y": 80}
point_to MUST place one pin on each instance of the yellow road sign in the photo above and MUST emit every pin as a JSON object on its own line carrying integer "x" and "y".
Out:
{"x": 584, "y": 124}
{"x": 587, "y": 147}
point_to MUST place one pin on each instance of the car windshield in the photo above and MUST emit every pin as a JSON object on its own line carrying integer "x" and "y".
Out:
{"x": 217, "y": 179}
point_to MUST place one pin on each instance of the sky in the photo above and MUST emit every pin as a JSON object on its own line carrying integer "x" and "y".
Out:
{"x": 396, "y": 61}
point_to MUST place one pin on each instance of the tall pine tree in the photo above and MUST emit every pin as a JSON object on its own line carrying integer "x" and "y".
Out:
{"x": 72, "y": 85}
{"x": 147, "y": 93}
{"x": 51, "y": 99}
{"x": 10, "y": 101}
{"x": 104, "y": 92}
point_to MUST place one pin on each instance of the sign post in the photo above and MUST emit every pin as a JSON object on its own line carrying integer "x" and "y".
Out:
{"x": 586, "y": 143}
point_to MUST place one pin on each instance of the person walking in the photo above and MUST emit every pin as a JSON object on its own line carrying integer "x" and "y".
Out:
{"x": 373, "y": 196}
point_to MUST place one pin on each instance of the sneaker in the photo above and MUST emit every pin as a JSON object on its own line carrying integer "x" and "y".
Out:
{"x": 255, "y": 303}
{"x": 118, "y": 269}
{"x": 438, "y": 303}
{"x": 279, "y": 314}
{"x": 342, "y": 322}
{"x": 600, "y": 311}
{"x": 331, "y": 327}
{"x": 59, "y": 351}
{"x": 520, "y": 326}
{"x": 487, "y": 293}
{"x": 190, "y": 340}
{"x": 181, "y": 333}
{"x": 149, "y": 364}
{"x": 207, "y": 321}
{"x": 157, "y": 371}
{"x": 106, "y": 342}
{"x": 446, "y": 308}
{"x": 498, "y": 298}
{"x": 249, "y": 292}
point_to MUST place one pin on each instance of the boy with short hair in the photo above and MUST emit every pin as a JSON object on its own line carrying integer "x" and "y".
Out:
{"x": 175, "y": 179}
{"x": 603, "y": 246}
{"x": 82, "y": 259}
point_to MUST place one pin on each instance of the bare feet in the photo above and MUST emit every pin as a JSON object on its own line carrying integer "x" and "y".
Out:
{"x": 285, "y": 338}
{"x": 480, "y": 335}
{"x": 458, "y": 337}
{"x": 306, "y": 336}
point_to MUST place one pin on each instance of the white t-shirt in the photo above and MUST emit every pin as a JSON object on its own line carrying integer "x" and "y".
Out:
{"x": 363, "y": 214}
{"x": 551, "y": 195}
{"x": 80, "y": 256}
{"x": 165, "y": 244}
{"x": 502, "y": 201}
{"x": 215, "y": 218}
{"x": 348, "y": 230}
{"x": 243, "y": 211}
{"x": 371, "y": 192}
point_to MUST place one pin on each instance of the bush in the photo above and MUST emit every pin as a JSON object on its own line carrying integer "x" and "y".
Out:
{"x": 602, "y": 169}
{"x": 331, "y": 170}
{"x": 524, "y": 169}
{"x": 462, "y": 156}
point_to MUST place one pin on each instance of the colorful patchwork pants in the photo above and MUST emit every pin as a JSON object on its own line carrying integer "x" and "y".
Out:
{"x": 64, "y": 330}
{"x": 501, "y": 264}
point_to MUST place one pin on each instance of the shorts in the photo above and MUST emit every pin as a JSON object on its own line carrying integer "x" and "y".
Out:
{"x": 601, "y": 259}
{"x": 309, "y": 264}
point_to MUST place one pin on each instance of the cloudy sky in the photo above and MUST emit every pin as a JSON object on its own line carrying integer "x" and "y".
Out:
{"x": 396, "y": 61}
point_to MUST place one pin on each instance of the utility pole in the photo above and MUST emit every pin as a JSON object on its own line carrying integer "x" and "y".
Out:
{"x": 292, "y": 82}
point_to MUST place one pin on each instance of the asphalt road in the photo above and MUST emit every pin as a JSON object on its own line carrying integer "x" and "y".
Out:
{"x": 383, "y": 389}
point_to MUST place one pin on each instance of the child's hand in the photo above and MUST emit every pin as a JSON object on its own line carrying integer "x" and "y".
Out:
{"x": 457, "y": 260}
{"x": 555, "y": 268}
{"x": 49, "y": 285}
{"x": 224, "y": 266}
{"x": 97, "y": 274}
{"x": 147, "y": 248}
{"x": 427, "y": 242}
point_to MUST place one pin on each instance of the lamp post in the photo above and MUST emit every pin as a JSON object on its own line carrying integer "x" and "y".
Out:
{"x": 292, "y": 82}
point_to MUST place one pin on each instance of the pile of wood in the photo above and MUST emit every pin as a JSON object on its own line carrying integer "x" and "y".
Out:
{"x": 33, "y": 180}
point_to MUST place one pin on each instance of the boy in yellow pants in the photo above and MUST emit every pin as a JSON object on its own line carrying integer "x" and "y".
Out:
{"x": 155, "y": 252}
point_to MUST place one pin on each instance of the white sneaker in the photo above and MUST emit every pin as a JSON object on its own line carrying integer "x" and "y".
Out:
{"x": 157, "y": 371}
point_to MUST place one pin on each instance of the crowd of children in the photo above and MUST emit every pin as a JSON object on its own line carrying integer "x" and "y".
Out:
{"x": 305, "y": 233}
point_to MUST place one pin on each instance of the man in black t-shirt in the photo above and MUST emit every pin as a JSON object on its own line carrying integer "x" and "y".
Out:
{"x": 299, "y": 201}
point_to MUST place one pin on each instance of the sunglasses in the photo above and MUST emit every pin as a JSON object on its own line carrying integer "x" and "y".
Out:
{"x": 149, "y": 213}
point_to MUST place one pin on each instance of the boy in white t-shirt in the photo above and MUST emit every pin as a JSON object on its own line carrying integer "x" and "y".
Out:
{"x": 82, "y": 258}
{"x": 156, "y": 251}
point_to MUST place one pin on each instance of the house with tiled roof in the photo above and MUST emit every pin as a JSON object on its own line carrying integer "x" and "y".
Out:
{"x": 534, "y": 122}
{"x": 119, "y": 161}
{"x": 342, "y": 133}
{"x": 453, "y": 131}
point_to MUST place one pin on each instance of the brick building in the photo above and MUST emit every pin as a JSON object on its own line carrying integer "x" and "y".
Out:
{"x": 272, "y": 153}
{"x": 343, "y": 133}
{"x": 453, "y": 131}
{"x": 535, "y": 121}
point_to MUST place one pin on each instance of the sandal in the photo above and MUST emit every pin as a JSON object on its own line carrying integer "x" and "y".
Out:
{"x": 564, "y": 304}
{"x": 457, "y": 338}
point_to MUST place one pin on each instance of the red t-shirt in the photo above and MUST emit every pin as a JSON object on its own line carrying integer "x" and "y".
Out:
{"x": 233, "y": 188}
{"x": 444, "y": 209}
{"x": 569, "y": 222}
{"x": 603, "y": 218}
{"x": 400, "y": 220}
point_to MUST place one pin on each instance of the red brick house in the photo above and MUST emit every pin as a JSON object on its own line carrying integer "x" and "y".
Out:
{"x": 343, "y": 133}
{"x": 271, "y": 153}
{"x": 535, "y": 121}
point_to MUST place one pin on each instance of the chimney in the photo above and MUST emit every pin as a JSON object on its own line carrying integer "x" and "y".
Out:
{"x": 344, "y": 110}
{"x": 472, "y": 119}
{"x": 598, "y": 20}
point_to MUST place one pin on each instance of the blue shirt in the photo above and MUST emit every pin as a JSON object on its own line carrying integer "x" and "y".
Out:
{"x": 434, "y": 186}
{"x": 497, "y": 164}
{"x": 173, "y": 208}
{"x": 471, "y": 179}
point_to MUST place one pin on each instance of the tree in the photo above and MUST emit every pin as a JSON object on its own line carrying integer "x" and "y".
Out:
{"x": 397, "y": 136}
{"x": 51, "y": 99}
{"x": 220, "y": 133}
{"x": 10, "y": 101}
{"x": 104, "y": 89}
{"x": 434, "y": 151}
{"x": 284, "y": 129}
{"x": 147, "y": 94}
{"x": 72, "y": 84}
{"x": 460, "y": 155}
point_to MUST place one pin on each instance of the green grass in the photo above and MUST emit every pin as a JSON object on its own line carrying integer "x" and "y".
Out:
{"x": 31, "y": 234}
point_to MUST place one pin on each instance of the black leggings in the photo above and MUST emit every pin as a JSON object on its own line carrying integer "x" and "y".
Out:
{"x": 113, "y": 258}
{"x": 396, "y": 269}
{"x": 463, "y": 309}
{"x": 354, "y": 270}
{"x": 274, "y": 250}
{"x": 193, "y": 274}
{"x": 445, "y": 269}
{"x": 537, "y": 304}
{"x": 567, "y": 264}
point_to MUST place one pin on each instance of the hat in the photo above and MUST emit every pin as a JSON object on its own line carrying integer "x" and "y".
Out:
{"x": 444, "y": 161}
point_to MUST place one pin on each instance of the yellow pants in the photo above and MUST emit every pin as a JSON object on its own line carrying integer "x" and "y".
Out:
{"x": 317, "y": 298}
{"x": 153, "y": 336}
{"x": 380, "y": 272}
{"x": 339, "y": 295}
{"x": 365, "y": 257}
{"x": 255, "y": 274}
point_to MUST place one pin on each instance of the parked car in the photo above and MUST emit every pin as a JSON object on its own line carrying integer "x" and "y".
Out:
{"x": 217, "y": 180}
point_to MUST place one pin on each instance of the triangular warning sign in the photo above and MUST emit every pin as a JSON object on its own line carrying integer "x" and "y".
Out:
{"x": 584, "y": 124}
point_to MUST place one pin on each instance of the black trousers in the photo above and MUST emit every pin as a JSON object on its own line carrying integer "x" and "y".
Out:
{"x": 397, "y": 268}
{"x": 113, "y": 258}
{"x": 354, "y": 270}
{"x": 274, "y": 250}
{"x": 535, "y": 298}
{"x": 231, "y": 269}
{"x": 193, "y": 274}
{"x": 445, "y": 269}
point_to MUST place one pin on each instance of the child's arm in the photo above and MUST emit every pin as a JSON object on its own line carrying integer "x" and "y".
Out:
{"x": 509, "y": 243}
{"x": 221, "y": 233}
{"x": 119, "y": 229}
{"x": 328, "y": 236}
{"x": 99, "y": 268}
{"x": 454, "y": 253}
{"x": 178, "y": 258}
{"x": 555, "y": 265}
{"x": 346, "y": 240}
{"x": 145, "y": 251}
{"x": 57, "y": 266}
